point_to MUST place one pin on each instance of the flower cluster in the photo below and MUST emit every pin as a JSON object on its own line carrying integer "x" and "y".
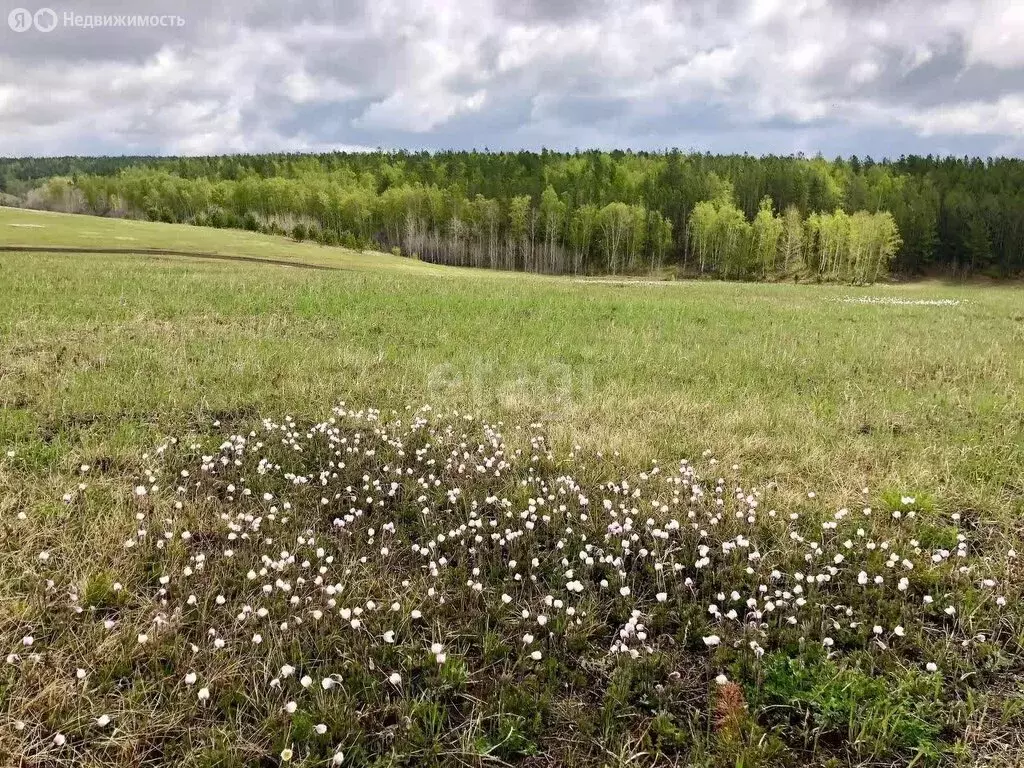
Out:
{"x": 898, "y": 302}
{"x": 306, "y": 572}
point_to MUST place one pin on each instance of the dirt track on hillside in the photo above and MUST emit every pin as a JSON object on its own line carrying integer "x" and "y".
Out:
{"x": 166, "y": 252}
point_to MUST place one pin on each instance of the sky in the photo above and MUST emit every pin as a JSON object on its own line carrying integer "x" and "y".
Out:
{"x": 839, "y": 77}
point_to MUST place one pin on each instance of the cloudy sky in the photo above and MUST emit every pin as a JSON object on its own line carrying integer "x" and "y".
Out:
{"x": 868, "y": 77}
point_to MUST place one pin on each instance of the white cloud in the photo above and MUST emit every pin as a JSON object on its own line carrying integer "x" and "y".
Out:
{"x": 1002, "y": 117}
{"x": 997, "y": 37}
{"x": 314, "y": 75}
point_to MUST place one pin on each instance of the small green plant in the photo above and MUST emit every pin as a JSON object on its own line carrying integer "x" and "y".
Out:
{"x": 876, "y": 714}
{"x": 100, "y": 592}
{"x": 251, "y": 222}
{"x": 903, "y": 502}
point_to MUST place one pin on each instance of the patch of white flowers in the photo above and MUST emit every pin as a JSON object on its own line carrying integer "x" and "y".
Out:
{"x": 898, "y": 302}
{"x": 384, "y": 540}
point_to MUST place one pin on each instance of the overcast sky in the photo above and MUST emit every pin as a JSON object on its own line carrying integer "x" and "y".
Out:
{"x": 865, "y": 77}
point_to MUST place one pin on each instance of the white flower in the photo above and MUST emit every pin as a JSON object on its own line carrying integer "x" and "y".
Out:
{"x": 828, "y": 642}
{"x": 287, "y": 670}
{"x": 899, "y": 632}
{"x": 190, "y": 678}
{"x": 712, "y": 640}
{"x": 536, "y": 655}
{"x": 257, "y": 638}
{"x": 140, "y": 490}
{"x": 527, "y": 638}
{"x": 103, "y": 720}
{"x": 395, "y": 679}
{"x": 143, "y": 638}
{"x": 931, "y": 666}
{"x": 506, "y": 599}
{"x": 436, "y": 648}
{"x": 338, "y": 758}
{"x": 204, "y": 694}
{"x": 721, "y": 679}
{"x": 27, "y": 640}
{"x": 321, "y": 729}
{"x": 415, "y": 613}
{"x": 624, "y": 591}
{"x": 290, "y": 707}
{"x": 286, "y": 755}
{"x": 661, "y": 597}
{"x": 306, "y": 681}
{"x": 389, "y": 636}
{"x": 59, "y": 739}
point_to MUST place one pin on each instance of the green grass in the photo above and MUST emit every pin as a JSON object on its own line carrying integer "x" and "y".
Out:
{"x": 43, "y": 228}
{"x": 101, "y": 356}
{"x": 786, "y": 380}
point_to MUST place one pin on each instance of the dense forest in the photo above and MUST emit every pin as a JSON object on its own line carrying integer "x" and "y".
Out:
{"x": 734, "y": 216}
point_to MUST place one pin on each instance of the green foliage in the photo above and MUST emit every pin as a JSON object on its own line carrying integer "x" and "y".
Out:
{"x": 903, "y": 501}
{"x": 100, "y": 592}
{"x": 875, "y": 713}
{"x": 516, "y": 723}
{"x": 858, "y": 248}
{"x": 722, "y": 237}
{"x": 953, "y": 214}
{"x": 250, "y": 221}
{"x": 667, "y": 736}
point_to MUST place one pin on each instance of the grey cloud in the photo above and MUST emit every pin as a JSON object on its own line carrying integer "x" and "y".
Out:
{"x": 882, "y": 77}
{"x": 528, "y": 11}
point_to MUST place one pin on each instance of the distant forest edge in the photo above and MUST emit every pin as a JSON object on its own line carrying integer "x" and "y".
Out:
{"x": 621, "y": 212}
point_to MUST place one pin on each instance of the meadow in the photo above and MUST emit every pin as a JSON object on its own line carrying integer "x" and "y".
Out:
{"x": 389, "y": 472}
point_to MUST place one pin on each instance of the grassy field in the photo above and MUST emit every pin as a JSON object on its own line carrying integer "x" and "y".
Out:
{"x": 908, "y": 391}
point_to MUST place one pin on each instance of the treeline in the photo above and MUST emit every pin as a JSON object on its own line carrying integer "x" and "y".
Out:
{"x": 550, "y": 235}
{"x": 837, "y": 246}
{"x": 423, "y": 220}
{"x": 587, "y": 211}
